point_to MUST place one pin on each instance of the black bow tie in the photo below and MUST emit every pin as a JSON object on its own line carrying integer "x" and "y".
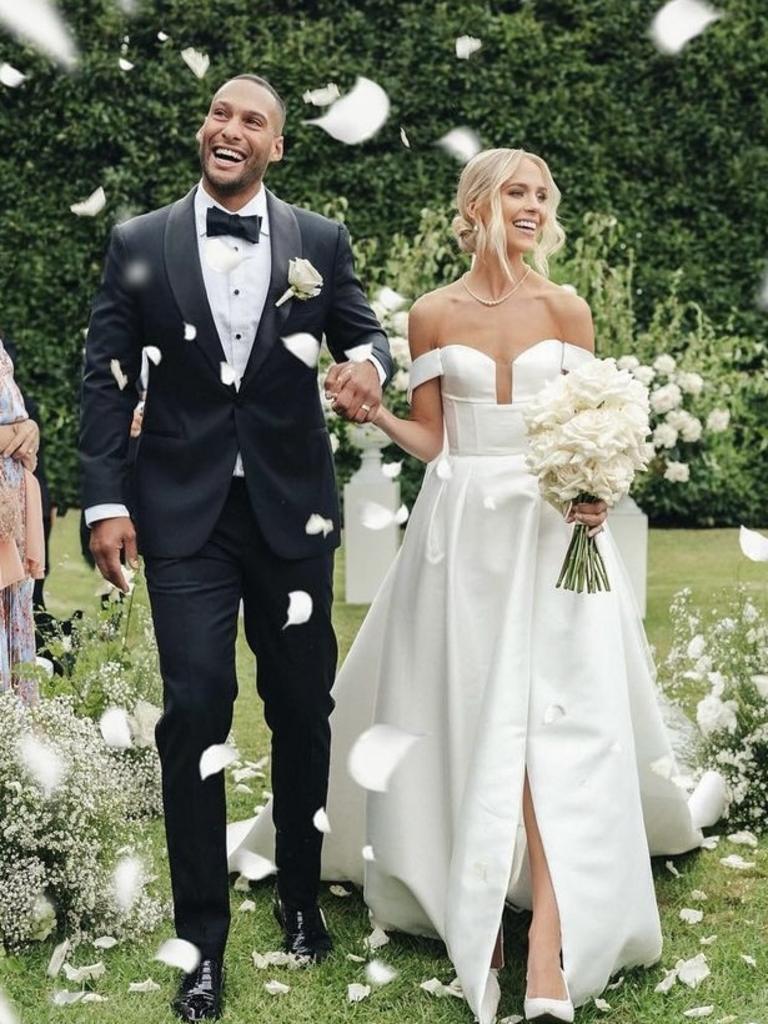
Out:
{"x": 218, "y": 222}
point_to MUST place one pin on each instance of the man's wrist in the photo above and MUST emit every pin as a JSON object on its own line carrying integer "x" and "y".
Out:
{"x": 109, "y": 510}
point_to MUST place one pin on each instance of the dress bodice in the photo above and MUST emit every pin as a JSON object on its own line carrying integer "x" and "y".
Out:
{"x": 476, "y": 424}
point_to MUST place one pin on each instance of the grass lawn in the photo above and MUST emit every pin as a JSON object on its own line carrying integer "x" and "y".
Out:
{"x": 736, "y": 909}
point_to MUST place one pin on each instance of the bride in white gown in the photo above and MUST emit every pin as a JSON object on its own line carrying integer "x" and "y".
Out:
{"x": 537, "y": 709}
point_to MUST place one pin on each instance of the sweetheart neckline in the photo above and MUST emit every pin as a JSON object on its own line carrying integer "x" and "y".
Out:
{"x": 507, "y": 362}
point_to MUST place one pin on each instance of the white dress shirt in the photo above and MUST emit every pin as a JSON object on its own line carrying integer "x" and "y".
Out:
{"x": 236, "y": 298}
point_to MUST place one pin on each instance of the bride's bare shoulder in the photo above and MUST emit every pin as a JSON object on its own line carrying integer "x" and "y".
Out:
{"x": 428, "y": 315}
{"x": 569, "y": 311}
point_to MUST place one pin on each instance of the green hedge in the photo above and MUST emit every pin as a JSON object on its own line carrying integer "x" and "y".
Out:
{"x": 673, "y": 146}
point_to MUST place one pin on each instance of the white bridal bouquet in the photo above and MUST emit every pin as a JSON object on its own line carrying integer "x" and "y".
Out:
{"x": 587, "y": 433}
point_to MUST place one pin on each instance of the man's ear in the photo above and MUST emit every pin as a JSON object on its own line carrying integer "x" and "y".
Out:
{"x": 199, "y": 135}
{"x": 278, "y": 148}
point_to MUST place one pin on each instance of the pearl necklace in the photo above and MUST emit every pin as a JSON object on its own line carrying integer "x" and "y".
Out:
{"x": 495, "y": 302}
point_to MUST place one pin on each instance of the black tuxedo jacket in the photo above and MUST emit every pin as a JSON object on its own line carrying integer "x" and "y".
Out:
{"x": 194, "y": 425}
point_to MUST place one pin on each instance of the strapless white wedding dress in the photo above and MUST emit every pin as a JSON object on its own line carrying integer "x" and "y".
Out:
{"x": 469, "y": 644}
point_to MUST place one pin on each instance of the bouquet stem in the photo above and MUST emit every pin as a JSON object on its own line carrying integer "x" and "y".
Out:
{"x": 583, "y": 568}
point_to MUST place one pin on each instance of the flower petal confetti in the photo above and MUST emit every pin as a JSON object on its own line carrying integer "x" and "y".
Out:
{"x": 374, "y": 516}
{"x": 179, "y": 953}
{"x": 699, "y": 1011}
{"x": 356, "y": 992}
{"x": 466, "y": 46}
{"x": 127, "y": 881}
{"x": 368, "y": 854}
{"x": 708, "y": 940}
{"x": 89, "y": 972}
{"x": 63, "y": 997}
{"x": 125, "y": 65}
{"x": 216, "y": 758}
{"x": 679, "y": 21}
{"x": 42, "y": 762}
{"x": 229, "y": 375}
{"x": 105, "y": 942}
{"x": 339, "y": 890}
{"x": 154, "y": 355}
{"x": 667, "y": 982}
{"x": 378, "y": 973}
{"x": 323, "y": 96}
{"x": 601, "y": 1004}
{"x": 743, "y": 838}
{"x": 321, "y": 822}
{"x": 444, "y": 469}
{"x": 190, "y": 332}
{"x": 670, "y": 866}
{"x": 358, "y": 115}
{"x": 318, "y": 524}
{"x": 737, "y": 862}
{"x": 144, "y": 986}
{"x": 691, "y": 916}
{"x": 278, "y": 958}
{"x": 376, "y": 753}
{"x": 299, "y": 608}
{"x": 221, "y": 257}
{"x": 392, "y": 470}
{"x": 197, "y": 62}
{"x": 304, "y": 346}
{"x": 93, "y": 205}
{"x": 247, "y": 907}
{"x": 461, "y": 143}
{"x": 252, "y": 865}
{"x": 435, "y": 987}
{"x": 748, "y": 960}
{"x": 404, "y": 138}
{"x": 58, "y": 957}
{"x": 39, "y": 23}
{"x": 10, "y": 76}
{"x": 753, "y": 544}
{"x": 401, "y": 516}
{"x": 7, "y": 1012}
{"x": 277, "y": 988}
{"x": 692, "y": 972}
{"x": 553, "y": 713}
{"x": 376, "y": 939}
{"x": 117, "y": 373}
{"x": 116, "y": 729}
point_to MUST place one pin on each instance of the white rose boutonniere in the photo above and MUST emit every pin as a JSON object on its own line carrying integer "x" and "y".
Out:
{"x": 304, "y": 281}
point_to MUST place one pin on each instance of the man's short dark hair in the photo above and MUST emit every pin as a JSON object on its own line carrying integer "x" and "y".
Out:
{"x": 270, "y": 89}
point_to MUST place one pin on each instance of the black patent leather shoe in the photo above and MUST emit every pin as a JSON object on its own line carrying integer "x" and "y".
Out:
{"x": 199, "y": 995}
{"x": 304, "y": 931}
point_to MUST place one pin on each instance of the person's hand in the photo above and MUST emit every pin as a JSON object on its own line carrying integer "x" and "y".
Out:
{"x": 108, "y": 538}
{"x": 354, "y": 390}
{"x": 24, "y": 441}
{"x": 138, "y": 419}
{"x": 28, "y": 462}
{"x": 592, "y": 514}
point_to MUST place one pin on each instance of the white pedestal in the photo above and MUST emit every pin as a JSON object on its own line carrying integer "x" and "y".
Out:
{"x": 369, "y": 553}
{"x": 629, "y": 528}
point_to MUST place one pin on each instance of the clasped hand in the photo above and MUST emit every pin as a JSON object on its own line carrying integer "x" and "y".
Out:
{"x": 21, "y": 441}
{"x": 354, "y": 390}
{"x": 590, "y": 513}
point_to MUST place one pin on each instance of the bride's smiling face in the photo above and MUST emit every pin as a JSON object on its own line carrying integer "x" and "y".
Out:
{"x": 524, "y": 206}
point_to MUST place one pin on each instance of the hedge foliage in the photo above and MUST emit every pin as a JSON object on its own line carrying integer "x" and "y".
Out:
{"x": 674, "y": 146}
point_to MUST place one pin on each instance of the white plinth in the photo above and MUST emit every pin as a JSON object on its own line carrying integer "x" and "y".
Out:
{"x": 368, "y": 553}
{"x": 629, "y": 528}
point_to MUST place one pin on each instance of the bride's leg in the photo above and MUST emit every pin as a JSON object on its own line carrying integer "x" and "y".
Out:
{"x": 544, "y": 940}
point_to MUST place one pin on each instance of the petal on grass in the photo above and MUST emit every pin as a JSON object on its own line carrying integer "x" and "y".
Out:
{"x": 144, "y": 986}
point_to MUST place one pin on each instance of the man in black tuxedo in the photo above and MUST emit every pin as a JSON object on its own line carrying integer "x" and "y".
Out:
{"x": 233, "y": 460}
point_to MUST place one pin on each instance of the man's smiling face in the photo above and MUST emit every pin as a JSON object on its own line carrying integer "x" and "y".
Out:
{"x": 239, "y": 138}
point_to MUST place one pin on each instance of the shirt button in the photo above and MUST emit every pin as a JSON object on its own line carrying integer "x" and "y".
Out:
{"x": 238, "y": 336}
{"x": 237, "y": 291}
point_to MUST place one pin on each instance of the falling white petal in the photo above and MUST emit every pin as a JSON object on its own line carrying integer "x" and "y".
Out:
{"x": 444, "y": 470}
{"x": 221, "y": 257}
{"x": 93, "y": 205}
{"x": 179, "y": 953}
{"x": 105, "y": 942}
{"x": 117, "y": 373}
{"x": 323, "y": 96}
{"x": 391, "y": 470}
{"x": 489, "y": 502}
{"x": 39, "y": 23}
{"x": 368, "y": 854}
{"x": 404, "y": 138}
{"x": 10, "y": 76}
{"x": 663, "y": 766}
{"x": 355, "y": 958}
{"x": 299, "y": 608}
{"x": 137, "y": 273}
{"x": 360, "y": 353}
{"x": 42, "y": 762}
{"x": 229, "y": 375}
{"x": 63, "y": 997}
{"x": 401, "y": 516}
{"x": 358, "y": 115}
{"x": 163, "y": 37}
{"x": 699, "y": 1011}
{"x": 58, "y": 957}
{"x": 190, "y": 332}
{"x": 737, "y": 862}
{"x": 670, "y": 866}
{"x": 743, "y": 838}
{"x": 376, "y": 939}
{"x": 691, "y": 916}
{"x": 277, "y": 988}
{"x": 601, "y": 1004}
{"x": 252, "y": 865}
{"x": 125, "y": 65}
{"x": 466, "y": 46}
{"x": 461, "y": 143}
{"x": 376, "y": 753}
{"x": 374, "y": 516}
{"x": 378, "y": 973}
{"x": 553, "y": 713}
{"x": 320, "y": 821}
{"x": 356, "y": 992}
{"x": 216, "y": 758}
{"x": 154, "y": 355}
{"x": 197, "y": 62}
{"x": 753, "y": 544}
{"x": 127, "y": 881}
{"x": 390, "y": 299}
{"x": 339, "y": 890}
{"x": 89, "y": 972}
{"x": 318, "y": 524}
{"x": 679, "y": 21}
{"x": 304, "y": 346}
{"x": 144, "y": 986}
{"x": 116, "y": 729}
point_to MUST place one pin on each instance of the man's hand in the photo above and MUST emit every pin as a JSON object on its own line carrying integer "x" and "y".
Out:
{"x": 592, "y": 514}
{"x": 108, "y": 538}
{"x": 23, "y": 442}
{"x": 354, "y": 390}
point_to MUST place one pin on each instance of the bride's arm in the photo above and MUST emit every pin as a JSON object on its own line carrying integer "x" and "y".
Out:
{"x": 421, "y": 434}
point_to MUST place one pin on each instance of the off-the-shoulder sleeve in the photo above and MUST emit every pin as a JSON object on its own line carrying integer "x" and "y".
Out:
{"x": 575, "y": 356}
{"x": 424, "y": 368}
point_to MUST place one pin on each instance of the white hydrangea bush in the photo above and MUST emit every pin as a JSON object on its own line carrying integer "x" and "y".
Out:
{"x": 675, "y": 399}
{"x": 719, "y": 659}
{"x": 64, "y": 814}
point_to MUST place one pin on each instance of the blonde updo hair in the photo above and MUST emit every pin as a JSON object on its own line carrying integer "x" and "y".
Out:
{"x": 482, "y": 233}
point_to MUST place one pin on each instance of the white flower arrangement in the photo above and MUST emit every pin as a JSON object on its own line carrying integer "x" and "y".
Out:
{"x": 586, "y": 433}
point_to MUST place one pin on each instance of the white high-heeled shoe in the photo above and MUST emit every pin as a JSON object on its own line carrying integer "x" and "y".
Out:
{"x": 549, "y": 1011}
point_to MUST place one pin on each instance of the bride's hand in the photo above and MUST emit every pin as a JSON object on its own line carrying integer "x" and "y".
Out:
{"x": 590, "y": 513}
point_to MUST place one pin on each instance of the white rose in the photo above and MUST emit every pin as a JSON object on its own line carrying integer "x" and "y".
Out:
{"x": 628, "y": 363}
{"x": 401, "y": 353}
{"x": 665, "y": 436}
{"x": 696, "y": 647}
{"x": 718, "y": 420}
{"x": 692, "y": 429}
{"x": 761, "y": 682}
{"x": 677, "y": 472}
{"x": 717, "y": 683}
{"x": 644, "y": 374}
{"x": 715, "y": 715}
{"x": 665, "y": 398}
{"x": 691, "y": 383}
{"x": 600, "y": 383}
{"x": 664, "y": 364}
{"x": 304, "y": 281}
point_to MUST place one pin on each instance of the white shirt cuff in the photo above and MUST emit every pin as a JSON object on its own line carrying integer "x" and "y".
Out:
{"x": 97, "y": 512}
{"x": 379, "y": 369}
